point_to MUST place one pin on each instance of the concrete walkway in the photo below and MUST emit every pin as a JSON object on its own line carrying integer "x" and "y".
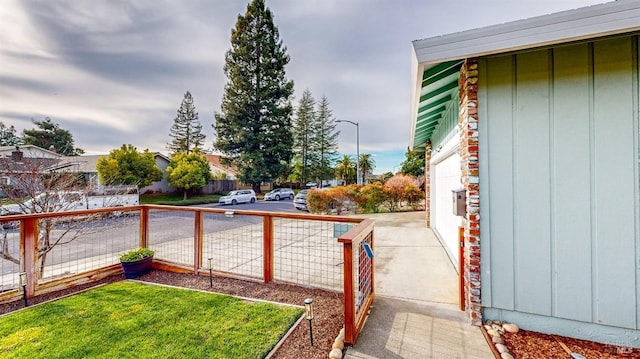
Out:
{"x": 415, "y": 313}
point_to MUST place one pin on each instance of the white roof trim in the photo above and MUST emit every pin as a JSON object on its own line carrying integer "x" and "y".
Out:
{"x": 611, "y": 18}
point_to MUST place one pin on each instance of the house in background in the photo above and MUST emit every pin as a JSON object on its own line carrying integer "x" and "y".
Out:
{"x": 537, "y": 121}
{"x": 48, "y": 161}
{"x": 161, "y": 186}
{"x": 24, "y": 159}
{"x": 215, "y": 163}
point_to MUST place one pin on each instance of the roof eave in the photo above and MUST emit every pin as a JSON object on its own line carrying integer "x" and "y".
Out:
{"x": 607, "y": 19}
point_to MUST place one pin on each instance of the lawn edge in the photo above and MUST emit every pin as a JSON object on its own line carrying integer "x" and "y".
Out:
{"x": 285, "y": 337}
{"x": 55, "y": 299}
{"x": 212, "y": 292}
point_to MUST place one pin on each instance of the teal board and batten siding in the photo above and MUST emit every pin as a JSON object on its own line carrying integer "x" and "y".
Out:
{"x": 560, "y": 189}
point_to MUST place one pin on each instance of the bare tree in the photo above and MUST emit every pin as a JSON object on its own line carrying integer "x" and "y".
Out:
{"x": 31, "y": 185}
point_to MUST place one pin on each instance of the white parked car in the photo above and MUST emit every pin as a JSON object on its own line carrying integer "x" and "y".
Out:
{"x": 278, "y": 194}
{"x": 239, "y": 196}
{"x": 300, "y": 201}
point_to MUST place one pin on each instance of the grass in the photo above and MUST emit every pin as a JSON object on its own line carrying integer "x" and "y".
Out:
{"x": 176, "y": 199}
{"x": 134, "y": 320}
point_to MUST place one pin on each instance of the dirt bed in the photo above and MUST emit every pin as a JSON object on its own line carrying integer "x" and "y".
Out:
{"x": 533, "y": 345}
{"x": 327, "y": 306}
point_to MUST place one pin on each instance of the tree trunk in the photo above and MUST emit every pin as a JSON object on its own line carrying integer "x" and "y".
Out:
{"x": 184, "y": 195}
{"x": 256, "y": 187}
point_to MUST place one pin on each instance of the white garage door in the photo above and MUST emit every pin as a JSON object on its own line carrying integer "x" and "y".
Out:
{"x": 445, "y": 177}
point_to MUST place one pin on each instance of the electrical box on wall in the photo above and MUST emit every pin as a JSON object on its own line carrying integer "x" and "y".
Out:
{"x": 459, "y": 202}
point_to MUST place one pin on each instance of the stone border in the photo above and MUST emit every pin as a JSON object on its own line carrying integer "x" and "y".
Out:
{"x": 492, "y": 331}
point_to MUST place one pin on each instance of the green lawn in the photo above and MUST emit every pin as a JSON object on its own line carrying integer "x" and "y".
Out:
{"x": 134, "y": 320}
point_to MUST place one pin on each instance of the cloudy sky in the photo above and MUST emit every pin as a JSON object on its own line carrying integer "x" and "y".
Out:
{"x": 115, "y": 71}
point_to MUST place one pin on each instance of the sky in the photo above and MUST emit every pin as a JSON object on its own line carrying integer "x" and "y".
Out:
{"x": 114, "y": 72}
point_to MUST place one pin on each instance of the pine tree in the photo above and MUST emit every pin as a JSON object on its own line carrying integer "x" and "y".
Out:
{"x": 303, "y": 136}
{"x": 253, "y": 128}
{"x": 51, "y": 137}
{"x": 326, "y": 142}
{"x": 186, "y": 130}
{"x": 8, "y": 136}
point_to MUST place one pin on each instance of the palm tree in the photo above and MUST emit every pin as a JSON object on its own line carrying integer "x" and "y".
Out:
{"x": 367, "y": 165}
{"x": 344, "y": 168}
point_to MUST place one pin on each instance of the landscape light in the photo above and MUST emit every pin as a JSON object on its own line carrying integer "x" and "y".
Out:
{"x": 23, "y": 284}
{"x": 210, "y": 260}
{"x": 308, "y": 310}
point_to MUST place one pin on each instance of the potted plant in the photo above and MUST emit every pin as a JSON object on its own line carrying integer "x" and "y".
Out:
{"x": 136, "y": 262}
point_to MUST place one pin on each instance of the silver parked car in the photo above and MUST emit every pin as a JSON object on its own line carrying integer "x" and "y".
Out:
{"x": 278, "y": 194}
{"x": 300, "y": 200}
{"x": 239, "y": 196}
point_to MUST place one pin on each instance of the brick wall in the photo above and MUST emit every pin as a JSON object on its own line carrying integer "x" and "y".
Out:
{"x": 468, "y": 125}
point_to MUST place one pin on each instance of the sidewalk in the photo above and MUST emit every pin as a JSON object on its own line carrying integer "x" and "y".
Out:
{"x": 415, "y": 313}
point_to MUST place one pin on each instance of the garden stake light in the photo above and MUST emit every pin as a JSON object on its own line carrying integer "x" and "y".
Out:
{"x": 210, "y": 260}
{"x": 308, "y": 309}
{"x": 23, "y": 284}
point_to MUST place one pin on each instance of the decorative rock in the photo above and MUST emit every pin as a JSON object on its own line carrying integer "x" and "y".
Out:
{"x": 510, "y": 327}
{"x": 493, "y": 332}
{"x": 496, "y": 326}
{"x": 506, "y": 356}
{"x": 338, "y": 344}
{"x": 502, "y": 348}
{"x": 341, "y": 334}
{"x": 497, "y": 340}
{"x": 337, "y": 354}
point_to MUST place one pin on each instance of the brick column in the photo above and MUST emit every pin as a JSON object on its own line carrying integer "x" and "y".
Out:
{"x": 468, "y": 125}
{"x": 427, "y": 183}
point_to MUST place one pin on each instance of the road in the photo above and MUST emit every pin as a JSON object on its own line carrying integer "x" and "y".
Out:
{"x": 285, "y": 205}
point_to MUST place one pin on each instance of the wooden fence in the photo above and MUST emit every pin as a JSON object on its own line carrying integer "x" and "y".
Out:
{"x": 316, "y": 244}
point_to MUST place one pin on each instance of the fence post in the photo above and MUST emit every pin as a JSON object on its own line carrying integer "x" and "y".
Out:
{"x": 267, "y": 248}
{"x": 144, "y": 227}
{"x": 349, "y": 303}
{"x": 29, "y": 233}
{"x": 197, "y": 240}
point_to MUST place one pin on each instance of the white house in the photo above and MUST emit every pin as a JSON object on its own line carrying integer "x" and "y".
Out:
{"x": 538, "y": 122}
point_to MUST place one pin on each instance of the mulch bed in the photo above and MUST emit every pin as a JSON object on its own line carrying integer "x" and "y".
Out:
{"x": 533, "y": 345}
{"x": 327, "y": 306}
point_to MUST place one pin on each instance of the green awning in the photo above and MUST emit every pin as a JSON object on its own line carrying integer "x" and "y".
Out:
{"x": 439, "y": 89}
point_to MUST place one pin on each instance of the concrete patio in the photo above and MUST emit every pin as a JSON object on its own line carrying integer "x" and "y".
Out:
{"x": 415, "y": 313}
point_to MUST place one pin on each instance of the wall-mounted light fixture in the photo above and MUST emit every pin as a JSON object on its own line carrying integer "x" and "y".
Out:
{"x": 210, "y": 261}
{"x": 308, "y": 311}
{"x": 23, "y": 284}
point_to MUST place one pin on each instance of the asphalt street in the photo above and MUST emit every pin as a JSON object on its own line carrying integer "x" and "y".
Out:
{"x": 284, "y": 205}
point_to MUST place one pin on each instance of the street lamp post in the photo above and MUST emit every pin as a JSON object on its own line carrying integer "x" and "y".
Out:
{"x": 358, "y": 181}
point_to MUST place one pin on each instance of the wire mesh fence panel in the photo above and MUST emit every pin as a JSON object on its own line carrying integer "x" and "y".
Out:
{"x": 9, "y": 255}
{"x": 308, "y": 253}
{"x": 171, "y": 235}
{"x": 234, "y": 244}
{"x": 75, "y": 244}
{"x": 363, "y": 273}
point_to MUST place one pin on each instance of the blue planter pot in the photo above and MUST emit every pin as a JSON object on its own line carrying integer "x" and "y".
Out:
{"x": 137, "y": 268}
